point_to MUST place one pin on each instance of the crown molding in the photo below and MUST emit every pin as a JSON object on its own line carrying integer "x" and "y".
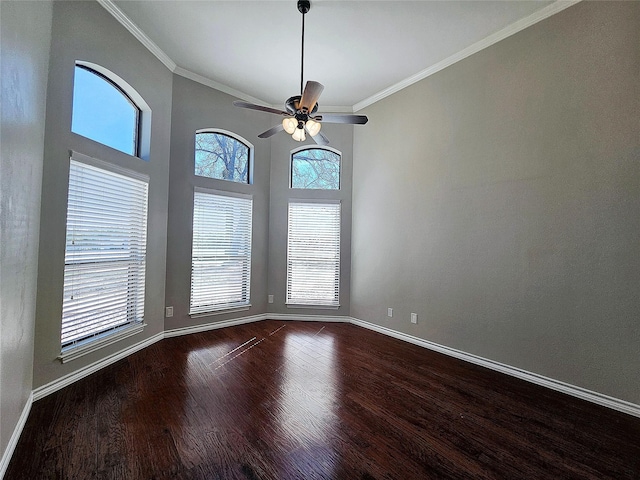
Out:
{"x": 546, "y": 12}
{"x": 142, "y": 37}
{"x": 150, "y": 45}
{"x": 183, "y": 72}
{"x": 512, "y": 29}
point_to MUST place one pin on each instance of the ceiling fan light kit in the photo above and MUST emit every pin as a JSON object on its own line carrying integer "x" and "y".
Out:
{"x": 289, "y": 124}
{"x": 313, "y": 127}
{"x": 300, "y": 109}
{"x": 299, "y": 135}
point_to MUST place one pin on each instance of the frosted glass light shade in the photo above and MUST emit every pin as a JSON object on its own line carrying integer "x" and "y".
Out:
{"x": 289, "y": 124}
{"x": 299, "y": 135}
{"x": 313, "y": 127}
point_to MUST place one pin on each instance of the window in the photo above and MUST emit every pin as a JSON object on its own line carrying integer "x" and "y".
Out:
{"x": 317, "y": 168}
{"x": 220, "y": 155}
{"x": 221, "y": 253}
{"x": 313, "y": 254}
{"x": 104, "y": 272}
{"x": 103, "y": 112}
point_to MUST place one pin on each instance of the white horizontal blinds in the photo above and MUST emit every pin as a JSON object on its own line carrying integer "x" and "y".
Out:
{"x": 104, "y": 273}
{"x": 313, "y": 254}
{"x": 221, "y": 254}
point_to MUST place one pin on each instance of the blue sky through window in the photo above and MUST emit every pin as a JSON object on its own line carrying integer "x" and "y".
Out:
{"x": 103, "y": 113}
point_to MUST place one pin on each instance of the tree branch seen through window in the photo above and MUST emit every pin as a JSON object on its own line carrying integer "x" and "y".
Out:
{"x": 315, "y": 168}
{"x": 221, "y": 156}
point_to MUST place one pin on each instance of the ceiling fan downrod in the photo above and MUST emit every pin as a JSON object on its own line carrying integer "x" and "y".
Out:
{"x": 300, "y": 109}
{"x": 303, "y": 7}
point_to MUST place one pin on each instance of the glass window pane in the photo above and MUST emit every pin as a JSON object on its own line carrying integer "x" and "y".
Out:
{"x": 315, "y": 168}
{"x": 102, "y": 112}
{"x": 221, "y": 156}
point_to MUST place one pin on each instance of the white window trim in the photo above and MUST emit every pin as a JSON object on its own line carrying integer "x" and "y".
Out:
{"x": 226, "y": 193}
{"x": 312, "y": 307}
{"x": 96, "y": 343}
{"x": 221, "y": 311}
{"x": 315, "y": 200}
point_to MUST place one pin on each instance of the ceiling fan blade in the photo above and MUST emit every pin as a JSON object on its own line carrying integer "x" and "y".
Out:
{"x": 272, "y": 131}
{"x": 339, "y": 118}
{"x": 321, "y": 139}
{"x": 310, "y": 96}
{"x": 253, "y": 106}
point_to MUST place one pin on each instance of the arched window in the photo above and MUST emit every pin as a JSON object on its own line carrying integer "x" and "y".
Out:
{"x": 102, "y": 111}
{"x": 315, "y": 168}
{"x": 222, "y": 155}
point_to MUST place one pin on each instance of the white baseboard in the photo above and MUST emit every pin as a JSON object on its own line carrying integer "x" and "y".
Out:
{"x": 73, "y": 377}
{"x": 579, "y": 392}
{"x": 308, "y": 318}
{"x": 13, "y": 441}
{"x": 205, "y": 327}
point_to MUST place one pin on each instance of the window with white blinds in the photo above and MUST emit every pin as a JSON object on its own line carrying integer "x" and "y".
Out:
{"x": 221, "y": 253}
{"x": 313, "y": 254}
{"x": 104, "y": 272}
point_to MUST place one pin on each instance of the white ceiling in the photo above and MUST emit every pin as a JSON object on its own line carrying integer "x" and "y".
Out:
{"x": 360, "y": 50}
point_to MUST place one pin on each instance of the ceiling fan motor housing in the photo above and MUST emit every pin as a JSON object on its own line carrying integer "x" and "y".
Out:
{"x": 304, "y": 6}
{"x": 292, "y": 105}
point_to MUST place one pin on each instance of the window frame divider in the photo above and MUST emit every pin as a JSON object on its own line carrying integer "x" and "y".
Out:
{"x": 111, "y": 167}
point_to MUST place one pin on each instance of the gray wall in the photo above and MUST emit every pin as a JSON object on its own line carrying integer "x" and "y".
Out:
{"x": 341, "y": 138}
{"x": 24, "y": 63}
{"x": 500, "y": 200}
{"x": 196, "y": 107}
{"x": 86, "y": 31}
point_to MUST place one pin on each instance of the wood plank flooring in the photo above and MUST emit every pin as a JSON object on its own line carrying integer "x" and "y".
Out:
{"x": 300, "y": 400}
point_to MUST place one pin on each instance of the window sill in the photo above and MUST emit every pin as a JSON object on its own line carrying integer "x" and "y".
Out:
{"x": 300, "y": 305}
{"x": 243, "y": 308}
{"x": 71, "y": 353}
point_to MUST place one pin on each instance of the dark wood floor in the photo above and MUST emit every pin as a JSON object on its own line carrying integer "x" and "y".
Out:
{"x": 296, "y": 400}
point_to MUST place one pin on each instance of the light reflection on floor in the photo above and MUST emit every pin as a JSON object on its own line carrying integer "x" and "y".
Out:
{"x": 308, "y": 392}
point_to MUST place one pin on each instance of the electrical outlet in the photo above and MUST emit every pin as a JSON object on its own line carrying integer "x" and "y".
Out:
{"x": 168, "y": 312}
{"x": 389, "y": 312}
{"x": 414, "y": 318}
{"x": 270, "y": 298}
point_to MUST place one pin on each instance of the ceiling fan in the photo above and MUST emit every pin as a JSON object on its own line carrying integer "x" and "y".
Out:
{"x": 301, "y": 110}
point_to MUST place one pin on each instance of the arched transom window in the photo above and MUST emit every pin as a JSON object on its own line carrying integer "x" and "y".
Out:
{"x": 222, "y": 156}
{"x": 103, "y": 112}
{"x": 315, "y": 168}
